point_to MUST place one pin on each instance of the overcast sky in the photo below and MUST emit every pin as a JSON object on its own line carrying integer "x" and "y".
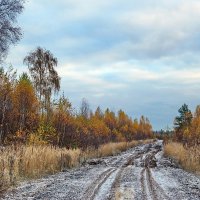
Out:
{"x": 138, "y": 55}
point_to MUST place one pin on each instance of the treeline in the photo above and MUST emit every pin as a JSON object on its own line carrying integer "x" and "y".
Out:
{"x": 164, "y": 135}
{"x": 30, "y": 115}
{"x": 187, "y": 126}
{"x": 182, "y": 144}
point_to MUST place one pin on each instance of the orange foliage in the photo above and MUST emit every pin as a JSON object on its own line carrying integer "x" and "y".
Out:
{"x": 61, "y": 125}
{"x": 25, "y": 106}
{"x": 187, "y": 129}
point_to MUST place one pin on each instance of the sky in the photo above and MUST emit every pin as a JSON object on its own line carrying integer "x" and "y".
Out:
{"x": 137, "y": 55}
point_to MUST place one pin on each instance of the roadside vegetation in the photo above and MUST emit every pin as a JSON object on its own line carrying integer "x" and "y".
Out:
{"x": 188, "y": 158}
{"x": 183, "y": 144}
{"x": 19, "y": 163}
{"x": 41, "y": 135}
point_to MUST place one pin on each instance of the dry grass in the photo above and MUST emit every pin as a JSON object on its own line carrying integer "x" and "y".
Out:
{"x": 28, "y": 162}
{"x": 18, "y": 163}
{"x": 188, "y": 158}
{"x": 111, "y": 149}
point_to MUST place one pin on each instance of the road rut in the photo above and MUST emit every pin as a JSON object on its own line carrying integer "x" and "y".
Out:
{"x": 141, "y": 173}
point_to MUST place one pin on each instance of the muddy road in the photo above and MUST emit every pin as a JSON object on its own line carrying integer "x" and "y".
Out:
{"x": 141, "y": 173}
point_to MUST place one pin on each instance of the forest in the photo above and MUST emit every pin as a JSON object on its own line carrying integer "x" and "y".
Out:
{"x": 30, "y": 115}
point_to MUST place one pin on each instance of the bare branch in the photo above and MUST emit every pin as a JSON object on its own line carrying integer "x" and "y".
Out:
{"x": 9, "y": 32}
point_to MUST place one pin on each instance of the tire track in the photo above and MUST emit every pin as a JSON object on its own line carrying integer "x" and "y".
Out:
{"x": 144, "y": 189}
{"x": 157, "y": 191}
{"x": 93, "y": 189}
{"x": 116, "y": 184}
{"x": 150, "y": 188}
{"x": 95, "y": 186}
{"x": 129, "y": 161}
{"x": 139, "y": 174}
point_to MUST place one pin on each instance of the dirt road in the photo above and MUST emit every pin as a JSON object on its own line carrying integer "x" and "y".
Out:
{"x": 141, "y": 173}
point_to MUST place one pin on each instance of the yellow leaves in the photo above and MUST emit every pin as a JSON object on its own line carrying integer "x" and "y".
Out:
{"x": 25, "y": 105}
{"x": 60, "y": 125}
{"x": 110, "y": 119}
{"x": 191, "y": 133}
{"x": 194, "y": 132}
{"x": 98, "y": 127}
{"x": 20, "y": 134}
{"x": 124, "y": 129}
{"x": 45, "y": 134}
{"x": 145, "y": 127}
{"x": 35, "y": 139}
{"x": 135, "y": 125}
{"x": 118, "y": 135}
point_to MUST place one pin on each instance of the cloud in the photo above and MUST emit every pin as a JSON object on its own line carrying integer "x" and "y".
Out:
{"x": 108, "y": 31}
{"x": 141, "y": 56}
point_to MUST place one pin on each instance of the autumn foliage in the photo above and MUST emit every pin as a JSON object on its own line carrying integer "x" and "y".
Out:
{"x": 29, "y": 114}
{"x": 183, "y": 144}
{"x": 40, "y": 135}
{"x": 24, "y": 120}
{"x": 187, "y": 126}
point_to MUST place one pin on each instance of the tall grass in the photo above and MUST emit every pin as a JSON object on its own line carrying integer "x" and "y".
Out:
{"x": 188, "y": 158}
{"x": 18, "y": 163}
